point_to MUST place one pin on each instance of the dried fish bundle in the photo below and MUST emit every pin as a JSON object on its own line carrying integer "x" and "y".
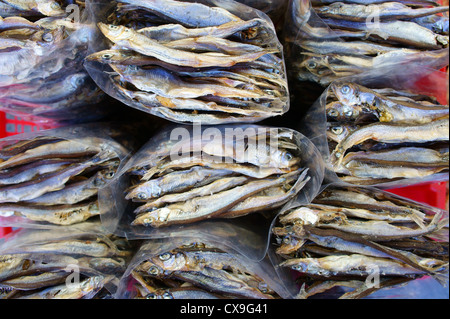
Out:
{"x": 53, "y": 177}
{"x": 329, "y": 40}
{"x": 190, "y": 61}
{"x": 195, "y": 270}
{"x": 220, "y": 172}
{"x": 81, "y": 262}
{"x": 361, "y": 240}
{"x": 384, "y": 135}
{"x": 42, "y": 77}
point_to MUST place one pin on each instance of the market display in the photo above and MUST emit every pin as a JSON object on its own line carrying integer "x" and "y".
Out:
{"x": 330, "y": 40}
{"x": 42, "y": 77}
{"x": 221, "y": 149}
{"x": 192, "y": 62}
{"x": 348, "y": 234}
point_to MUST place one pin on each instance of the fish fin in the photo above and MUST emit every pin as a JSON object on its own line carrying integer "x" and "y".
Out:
{"x": 418, "y": 219}
{"x": 302, "y": 294}
{"x": 442, "y": 276}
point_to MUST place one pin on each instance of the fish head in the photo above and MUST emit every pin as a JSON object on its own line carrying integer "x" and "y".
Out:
{"x": 115, "y": 32}
{"x": 170, "y": 261}
{"x": 347, "y": 93}
{"x": 341, "y": 112}
{"x": 50, "y": 8}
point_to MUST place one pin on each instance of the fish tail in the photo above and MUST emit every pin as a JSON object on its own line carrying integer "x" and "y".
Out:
{"x": 441, "y": 276}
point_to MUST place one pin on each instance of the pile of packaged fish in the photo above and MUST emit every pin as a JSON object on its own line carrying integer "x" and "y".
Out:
{"x": 224, "y": 178}
{"x": 81, "y": 262}
{"x": 192, "y": 61}
{"x": 54, "y": 177}
{"x": 382, "y": 135}
{"x": 334, "y": 39}
{"x": 363, "y": 239}
{"x": 197, "y": 271}
{"x": 42, "y": 76}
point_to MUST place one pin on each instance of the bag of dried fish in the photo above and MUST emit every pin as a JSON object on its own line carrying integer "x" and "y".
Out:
{"x": 74, "y": 262}
{"x": 359, "y": 241}
{"x": 42, "y": 76}
{"x": 328, "y": 40}
{"x": 190, "y": 173}
{"x": 189, "y": 61}
{"x": 386, "y": 134}
{"x": 193, "y": 264}
{"x": 52, "y": 177}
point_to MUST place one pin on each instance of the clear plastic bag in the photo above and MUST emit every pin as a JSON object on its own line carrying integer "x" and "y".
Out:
{"x": 228, "y": 239}
{"x": 324, "y": 128}
{"x": 320, "y": 240}
{"x": 275, "y": 9}
{"x": 42, "y": 76}
{"x": 73, "y": 262}
{"x": 202, "y": 152}
{"x": 324, "y": 45}
{"x": 52, "y": 177}
{"x": 239, "y": 78}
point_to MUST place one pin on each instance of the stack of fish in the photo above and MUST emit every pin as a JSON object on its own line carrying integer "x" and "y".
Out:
{"x": 191, "y": 61}
{"x": 53, "y": 180}
{"x": 198, "y": 271}
{"x": 224, "y": 179}
{"x": 80, "y": 265}
{"x": 337, "y": 39}
{"x": 41, "y": 63}
{"x": 361, "y": 239}
{"x": 381, "y": 135}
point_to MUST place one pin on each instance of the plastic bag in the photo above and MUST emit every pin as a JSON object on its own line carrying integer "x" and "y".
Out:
{"x": 51, "y": 178}
{"x": 328, "y": 40}
{"x": 377, "y": 160}
{"x": 275, "y": 9}
{"x": 73, "y": 262}
{"x": 42, "y": 77}
{"x": 330, "y": 229}
{"x": 197, "y": 70}
{"x": 197, "y": 239}
{"x": 224, "y": 171}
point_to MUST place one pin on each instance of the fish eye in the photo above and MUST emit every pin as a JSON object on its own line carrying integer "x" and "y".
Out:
{"x": 262, "y": 286}
{"x": 151, "y": 296}
{"x": 337, "y": 130}
{"x": 312, "y": 65}
{"x": 154, "y": 271}
{"x": 348, "y": 113}
{"x": 345, "y": 89}
{"x": 107, "y": 56}
{"x": 165, "y": 256}
{"x": 109, "y": 175}
{"x": 55, "y": 6}
{"x": 333, "y": 113}
{"x": 167, "y": 295}
{"x": 288, "y": 156}
{"x": 47, "y": 37}
{"x": 148, "y": 221}
{"x": 142, "y": 196}
{"x": 287, "y": 240}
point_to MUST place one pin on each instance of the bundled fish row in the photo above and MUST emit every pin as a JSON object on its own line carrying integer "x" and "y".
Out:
{"x": 42, "y": 76}
{"x": 189, "y": 61}
{"x": 335, "y": 39}
{"x": 248, "y": 169}
{"x": 54, "y": 178}
{"x": 74, "y": 263}
{"x": 197, "y": 271}
{"x": 382, "y": 135}
{"x": 361, "y": 240}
